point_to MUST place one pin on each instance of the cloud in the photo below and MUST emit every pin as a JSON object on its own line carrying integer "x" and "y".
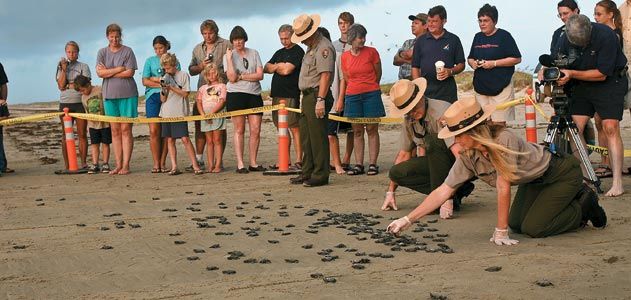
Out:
{"x": 42, "y": 23}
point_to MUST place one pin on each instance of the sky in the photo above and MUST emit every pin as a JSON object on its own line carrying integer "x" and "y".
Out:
{"x": 32, "y": 40}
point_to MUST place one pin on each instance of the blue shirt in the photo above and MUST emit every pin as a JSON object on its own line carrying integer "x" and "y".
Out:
{"x": 427, "y": 51}
{"x": 153, "y": 68}
{"x": 491, "y": 82}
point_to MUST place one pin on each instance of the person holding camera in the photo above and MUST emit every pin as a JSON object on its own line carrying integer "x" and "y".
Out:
{"x": 209, "y": 51}
{"x": 68, "y": 69}
{"x": 151, "y": 75}
{"x": 596, "y": 82}
{"x": 493, "y": 57}
{"x": 116, "y": 64}
{"x": 245, "y": 72}
{"x": 551, "y": 198}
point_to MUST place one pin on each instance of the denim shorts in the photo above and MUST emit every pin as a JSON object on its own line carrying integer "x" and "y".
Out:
{"x": 152, "y": 105}
{"x": 364, "y": 105}
{"x": 121, "y": 107}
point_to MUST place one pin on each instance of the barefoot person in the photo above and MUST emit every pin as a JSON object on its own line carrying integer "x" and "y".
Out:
{"x": 151, "y": 74}
{"x": 116, "y": 64}
{"x": 420, "y": 128}
{"x": 67, "y": 70}
{"x": 551, "y": 198}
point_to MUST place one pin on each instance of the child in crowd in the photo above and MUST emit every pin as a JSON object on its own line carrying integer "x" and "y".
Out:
{"x": 100, "y": 132}
{"x": 211, "y": 98}
{"x": 174, "y": 98}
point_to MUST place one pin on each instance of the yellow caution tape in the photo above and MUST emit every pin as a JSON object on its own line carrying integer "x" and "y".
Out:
{"x": 100, "y": 118}
{"x": 511, "y": 103}
{"x": 31, "y": 118}
{"x": 604, "y": 151}
{"x": 366, "y": 120}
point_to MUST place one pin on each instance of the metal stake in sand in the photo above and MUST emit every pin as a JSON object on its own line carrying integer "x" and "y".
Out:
{"x": 283, "y": 144}
{"x": 531, "y": 118}
{"x": 73, "y": 166}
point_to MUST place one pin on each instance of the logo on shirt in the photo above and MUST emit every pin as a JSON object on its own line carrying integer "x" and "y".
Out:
{"x": 446, "y": 48}
{"x": 486, "y": 46}
{"x": 325, "y": 53}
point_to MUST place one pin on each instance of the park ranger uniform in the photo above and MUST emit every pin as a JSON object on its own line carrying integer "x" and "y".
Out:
{"x": 313, "y": 131}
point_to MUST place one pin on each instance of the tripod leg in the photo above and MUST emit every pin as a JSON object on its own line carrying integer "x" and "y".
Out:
{"x": 584, "y": 158}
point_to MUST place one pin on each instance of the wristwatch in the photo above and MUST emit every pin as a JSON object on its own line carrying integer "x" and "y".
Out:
{"x": 319, "y": 99}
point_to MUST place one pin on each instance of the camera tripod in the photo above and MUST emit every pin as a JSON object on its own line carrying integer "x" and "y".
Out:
{"x": 561, "y": 124}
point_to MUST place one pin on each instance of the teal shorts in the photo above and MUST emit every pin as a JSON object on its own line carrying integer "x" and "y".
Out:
{"x": 121, "y": 107}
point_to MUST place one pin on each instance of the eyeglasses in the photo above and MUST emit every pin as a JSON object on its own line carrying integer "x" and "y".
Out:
{"x": 246, "y": 63}
{"x": 564, "y": 14}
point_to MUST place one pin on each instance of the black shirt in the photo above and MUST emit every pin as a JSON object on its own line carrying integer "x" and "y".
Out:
{"x": 491, "y": 82}
{"x": 287, "y": 85}
{"x": 3, "y": 75}
{"x": 556, "y": 39}
{"x": 427, "y": 51}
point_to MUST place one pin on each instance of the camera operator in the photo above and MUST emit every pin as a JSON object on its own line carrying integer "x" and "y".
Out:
{"x": 598, "y": 84}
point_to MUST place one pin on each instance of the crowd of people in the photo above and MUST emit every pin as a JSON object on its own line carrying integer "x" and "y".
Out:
{"x": 445, "y": 143}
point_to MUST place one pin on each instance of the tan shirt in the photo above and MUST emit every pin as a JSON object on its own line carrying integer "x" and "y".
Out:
{"x": 530, "y": 166}
{"x": 200, "y": 53}
{"x": 412, "y": 131}
{"x": 318, "y": 59}
{"x": 625, "y": 14}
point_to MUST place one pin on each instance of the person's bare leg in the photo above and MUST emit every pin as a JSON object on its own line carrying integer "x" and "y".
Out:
{"x": 82, "y": 132}
{"x": 163, "y": 153}
{"x": 200, "y": 139}
{"x": 127, "y": 139}
{"x": 117, "y": 144}
{"x": 611, "y": 128}
{"x": 210, "y": 159}
{"x": 254, "y": 124}
{"x": 172, "y": 153}
{"x": 350, "y": 142}
{"x": 373, "y": 142}
{"x": 188, "y": 147}
{"x": 580, "y": 122}
{"x": 94, "y": 151}
{"x": 106, "y": 153}
{"x": 334, "y": 148}
{"x": 602, "y": 138}
{"x": 238, "y": 123}
{"x": 358, "y": 143}
{"x": 295, "y": 135}
{"x": 217, "y": 138}
{"x": 155, "y": 144}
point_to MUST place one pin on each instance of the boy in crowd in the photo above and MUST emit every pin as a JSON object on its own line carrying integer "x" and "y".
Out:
{"x": 100, "y": 132}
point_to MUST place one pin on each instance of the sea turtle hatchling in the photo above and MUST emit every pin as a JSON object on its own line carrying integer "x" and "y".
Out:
{"x": 329, "y": 280}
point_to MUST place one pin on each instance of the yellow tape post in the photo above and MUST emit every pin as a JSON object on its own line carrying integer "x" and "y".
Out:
{"x": 31, "y": 118}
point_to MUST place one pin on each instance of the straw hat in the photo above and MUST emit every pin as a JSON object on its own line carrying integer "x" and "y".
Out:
{"x": 405, "y": 94}
{"x": 463, "y": 115}
{"x": 304, "y": 26}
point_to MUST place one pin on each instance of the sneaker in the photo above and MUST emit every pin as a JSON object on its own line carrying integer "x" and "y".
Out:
{"x": 105, "y": 168}
{"x": 93, "y": 169}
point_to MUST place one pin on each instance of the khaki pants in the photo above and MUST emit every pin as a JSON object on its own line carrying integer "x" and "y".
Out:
{"x": 313, "y": 137}
{"x": 547, "y": 206}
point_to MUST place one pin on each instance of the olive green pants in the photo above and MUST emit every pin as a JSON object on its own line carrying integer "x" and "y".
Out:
{"x": 426, "y": 173}
{"x": 313, "y": 137}
{"x": 547, "y": 206}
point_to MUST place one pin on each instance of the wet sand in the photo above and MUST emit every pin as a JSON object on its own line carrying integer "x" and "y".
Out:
{"x": 52, "y": 235}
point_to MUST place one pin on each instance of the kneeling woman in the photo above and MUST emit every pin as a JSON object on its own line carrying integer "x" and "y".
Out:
{"x": 551, "y": 197}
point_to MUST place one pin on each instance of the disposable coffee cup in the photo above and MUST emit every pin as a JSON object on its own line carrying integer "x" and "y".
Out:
{"x": 440, "y": 66}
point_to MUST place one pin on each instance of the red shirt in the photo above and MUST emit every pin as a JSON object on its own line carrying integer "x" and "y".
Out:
{"x": 359, "y": 71}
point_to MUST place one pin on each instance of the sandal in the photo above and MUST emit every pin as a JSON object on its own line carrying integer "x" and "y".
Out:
{"x": 298, "y": 165}
{"x": 372, "y": 170}
{"x": 175, "y": 172}
{"x": 603, "y": 171}
{"x": 156, "y": 170}
{"x": 198, "y": 172}
{"x": 346, "y": 167}
{"x": 258, "y": 168}
{"x": 243, "y": 171}
{"x": 356, "y": 170}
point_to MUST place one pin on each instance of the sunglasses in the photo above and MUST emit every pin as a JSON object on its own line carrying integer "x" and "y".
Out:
{"x": 246, "y": 63}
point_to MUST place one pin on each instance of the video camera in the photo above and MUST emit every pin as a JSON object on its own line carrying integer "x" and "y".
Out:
{"x": 167, "y": 80}
{"x": 551, "y": 75}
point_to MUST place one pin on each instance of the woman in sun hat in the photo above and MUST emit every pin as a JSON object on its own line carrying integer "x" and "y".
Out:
{"x": 551, "y": 198}
{"x": 420, "y": 129}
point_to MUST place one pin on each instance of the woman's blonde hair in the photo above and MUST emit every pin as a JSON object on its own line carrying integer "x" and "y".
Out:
{"x": 168, "y": 59}
{"x": 212, "y": 68}
{"x": 73, "y": 44}
{"x": 485, "y": 135}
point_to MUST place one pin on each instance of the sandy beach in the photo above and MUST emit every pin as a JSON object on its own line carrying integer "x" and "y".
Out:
{"x": 153, "y": 236}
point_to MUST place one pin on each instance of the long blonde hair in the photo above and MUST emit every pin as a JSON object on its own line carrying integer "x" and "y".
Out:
{"x": 485, "y": 135}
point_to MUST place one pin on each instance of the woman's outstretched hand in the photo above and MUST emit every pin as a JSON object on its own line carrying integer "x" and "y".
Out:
{"x": 500, "y": 237}
{"x": 398, "y": 225}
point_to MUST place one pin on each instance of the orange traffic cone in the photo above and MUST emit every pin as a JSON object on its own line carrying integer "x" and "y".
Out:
{"x": 283, "y": 145}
